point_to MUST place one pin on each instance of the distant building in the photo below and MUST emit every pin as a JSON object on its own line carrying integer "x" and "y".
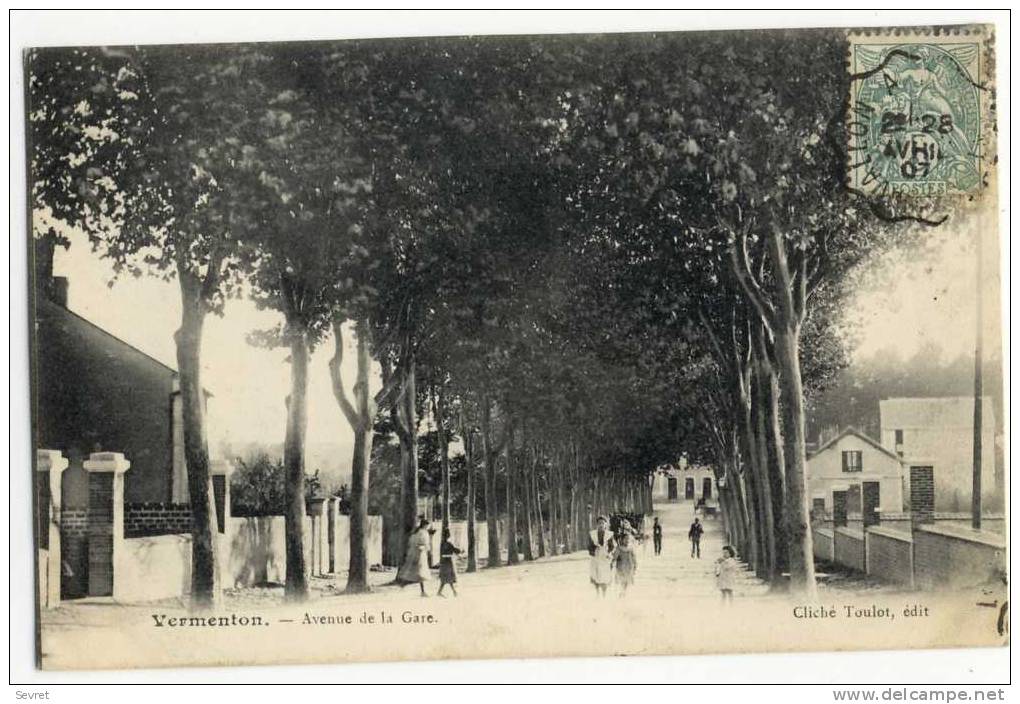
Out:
{"x": 939, "y": 433}
{"x": 684, "y": 483}
{"x": 852, "y": 462}
{"x": 95, "y": 392}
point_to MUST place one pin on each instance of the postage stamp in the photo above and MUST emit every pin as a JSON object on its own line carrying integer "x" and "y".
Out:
{"x": 918, "y": 106}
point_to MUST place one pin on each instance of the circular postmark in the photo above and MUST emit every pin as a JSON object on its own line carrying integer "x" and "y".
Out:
{"x": 914, "y": 125}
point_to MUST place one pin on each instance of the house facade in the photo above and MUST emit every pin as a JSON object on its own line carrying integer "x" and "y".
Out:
{"x": 93, "y": 392}
{"x": 852, "y": 462}
{"x": 684, "y": 483}
{"x": 939, "y": 433}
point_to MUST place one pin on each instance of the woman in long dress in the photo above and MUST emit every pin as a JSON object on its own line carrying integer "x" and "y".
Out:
{"x": 416, "y": 560}
{"x": 600, "y": 550}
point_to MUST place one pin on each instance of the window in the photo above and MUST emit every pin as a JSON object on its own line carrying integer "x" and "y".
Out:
{"x": 899, "y": 436}
{"x": 852, "y": 461}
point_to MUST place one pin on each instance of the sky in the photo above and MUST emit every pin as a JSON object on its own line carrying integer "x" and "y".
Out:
{"x": 905, "y": 300}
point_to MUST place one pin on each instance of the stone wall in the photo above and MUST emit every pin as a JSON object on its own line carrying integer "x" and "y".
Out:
{"x": 822, "y": 540}
{"x": 950, "y": 557}
{"x": 848, "y": 548}
{"x": 254, "y": 551}
{"x": 151, "y": 568}
{"x": 890, "y": 555}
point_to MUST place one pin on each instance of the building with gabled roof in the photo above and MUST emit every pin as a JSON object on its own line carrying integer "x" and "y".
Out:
{"x": 852, "y": 462}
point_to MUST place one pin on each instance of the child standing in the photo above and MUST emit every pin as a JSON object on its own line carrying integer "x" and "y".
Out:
{"x": 625, "y": 559}
{"x": 726, "y": 573}
{"x": 447, "y": 566}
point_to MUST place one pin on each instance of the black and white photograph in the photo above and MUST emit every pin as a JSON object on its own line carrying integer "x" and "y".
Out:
{"x": 523, "y": 345}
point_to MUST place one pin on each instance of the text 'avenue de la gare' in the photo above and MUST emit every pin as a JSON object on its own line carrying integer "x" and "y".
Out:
{"x": 871, "y": 611}
{"x": 309, "y": 619}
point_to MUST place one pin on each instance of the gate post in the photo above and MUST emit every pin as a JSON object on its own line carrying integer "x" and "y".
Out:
{"x": 221, "y": 471}
{"x": 49, "y": 467}
{"x": 332, "y": 514}
{"x": 106, "y": 518}
{"x": 314, "y": 510}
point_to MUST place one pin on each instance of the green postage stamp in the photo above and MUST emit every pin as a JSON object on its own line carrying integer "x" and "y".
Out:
{"x": 919, "y": 110}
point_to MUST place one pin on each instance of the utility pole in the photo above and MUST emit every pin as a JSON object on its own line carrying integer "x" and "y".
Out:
{"x": 975, "y": 500}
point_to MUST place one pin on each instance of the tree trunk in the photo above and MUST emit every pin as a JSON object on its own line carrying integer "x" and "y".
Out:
{"x": 409, "y": 441}
{"x": 204, "y": 573}
{"x": 528, "y": 501}
{"x": 512, "y": 557}
{"x": 444, "y": 451}
{"x": 294, "y": 464}
{"x": 357, "y": 579}
{"x": 469, "y": 468}
{"x": 489, "y": 478}
{"x": 800, "y": 550}
{"x": 360, "y": 415}
{"x": 539, "y": 521}
{"x": 775, "y": 455}
{"x": 764, "y": 479}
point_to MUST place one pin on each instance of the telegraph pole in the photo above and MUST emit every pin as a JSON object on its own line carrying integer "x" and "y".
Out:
{"x": 975, "y": 500}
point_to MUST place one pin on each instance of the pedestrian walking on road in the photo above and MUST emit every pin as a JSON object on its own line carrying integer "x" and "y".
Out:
{"x": 601, "y": 545}
{"x": 657, "y": 536}
{"x": 447, "y": 564}
{"x": 625, "y": 560}
{"x": 416, "y": 559}
{"x": 695, "y": 535}
{"x": 726, "y": 573}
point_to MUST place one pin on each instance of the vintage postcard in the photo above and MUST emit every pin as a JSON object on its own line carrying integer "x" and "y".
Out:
{"x": 516, "y": 346}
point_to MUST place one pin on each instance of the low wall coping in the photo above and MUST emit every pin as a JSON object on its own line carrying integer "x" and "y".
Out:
{"x": 965, "y": 534}
{"x": 890, "y": 533}
{"x": 827, "y": 532}
{"x": 107, "y": 462}
{"x": 850, "y": 532}
{"x": 966, "y": 516}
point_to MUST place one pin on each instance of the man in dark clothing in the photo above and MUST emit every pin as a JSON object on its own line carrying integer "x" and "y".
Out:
{"x": 657, "y": 536}
{"x": 695, "y": 535}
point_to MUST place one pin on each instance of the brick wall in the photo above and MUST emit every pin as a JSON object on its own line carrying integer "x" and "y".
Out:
{"x": 890, "y": 555}
{"x": 922, "y": 494}
{"x": 103, "y": 495}
{"x": 150, "y": 519}
{"x": 74, "y": 552}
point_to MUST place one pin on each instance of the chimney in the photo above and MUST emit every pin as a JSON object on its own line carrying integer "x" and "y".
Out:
{"x": 58, "y": 290}
{"x": 53, "y": 288}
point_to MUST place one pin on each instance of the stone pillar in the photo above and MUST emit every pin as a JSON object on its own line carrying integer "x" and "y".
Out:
{"x": 922, "y": 495}
{"x": 332, "y": 514}
{"x": 106, "y": 518}
{"x": 49, "y": 468}
{"x": 314, "y": 509}
{"x": 221, "y": 471}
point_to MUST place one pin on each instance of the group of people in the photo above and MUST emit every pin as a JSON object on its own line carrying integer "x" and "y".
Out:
{"x": 694, "y": 535}
{"x": 417, "y": 565}
{"x": 614, "y": 557}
